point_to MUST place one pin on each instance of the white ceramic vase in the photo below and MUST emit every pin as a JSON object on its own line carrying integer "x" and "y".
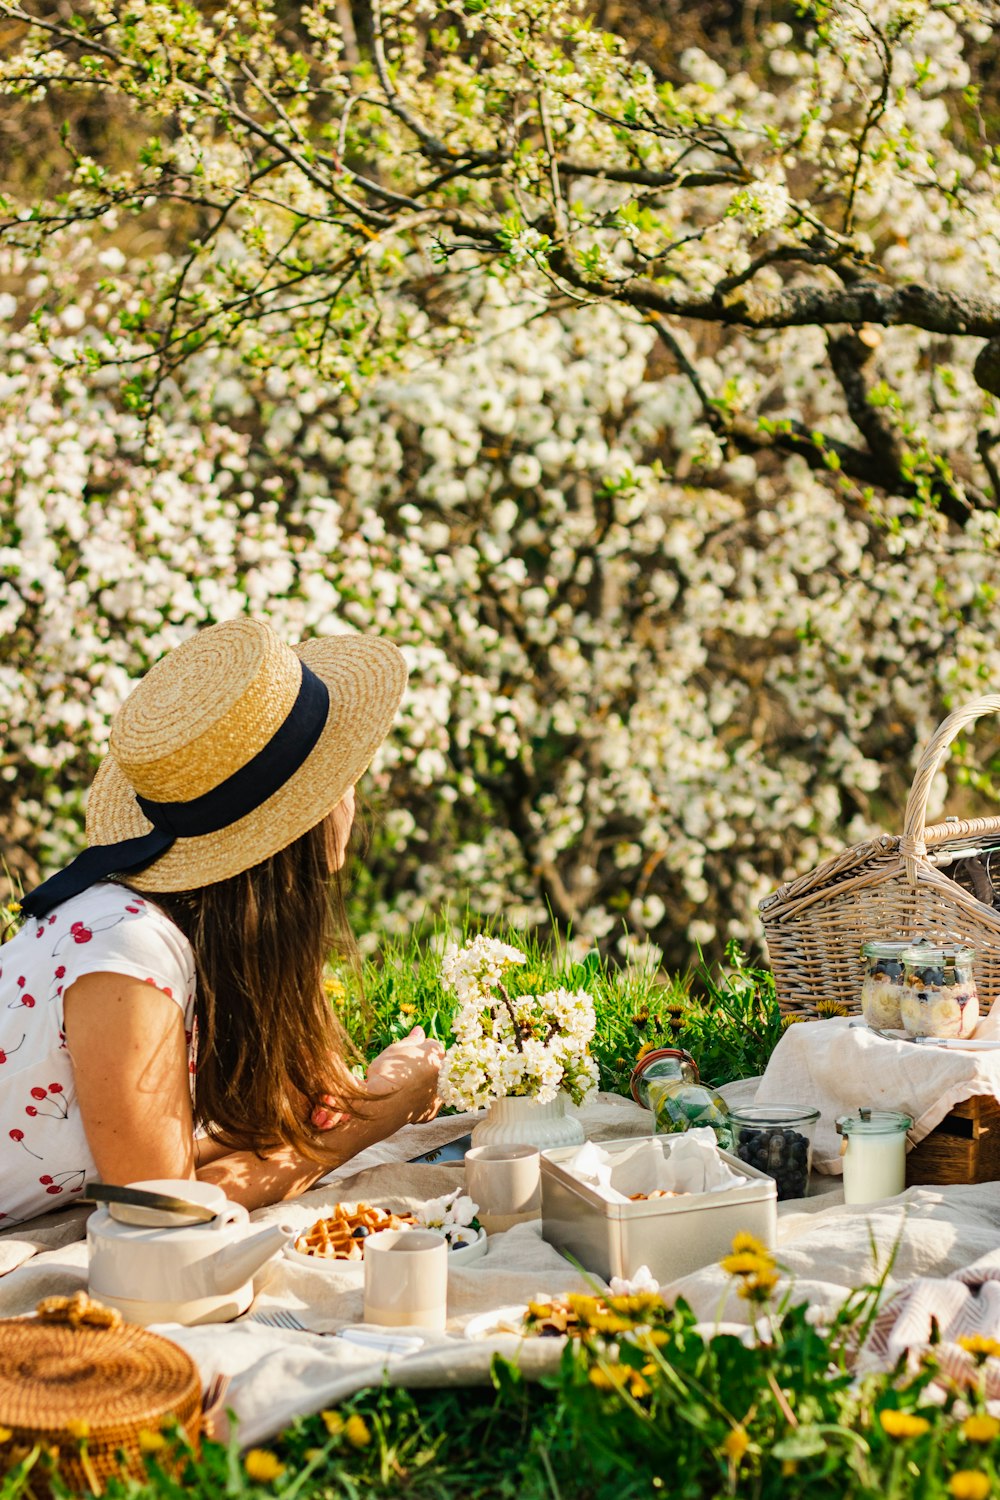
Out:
{"x": 526, "y": 1122}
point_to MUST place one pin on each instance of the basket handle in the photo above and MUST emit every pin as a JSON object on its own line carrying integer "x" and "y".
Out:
{"x": 913, "y": 845}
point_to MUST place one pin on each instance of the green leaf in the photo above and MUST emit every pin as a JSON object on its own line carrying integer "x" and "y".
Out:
{"x": 804, "y": 1442}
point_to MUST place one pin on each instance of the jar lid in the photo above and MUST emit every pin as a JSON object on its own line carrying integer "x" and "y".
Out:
{"x": 938, "y": 953}
{"x": 657, "y": 1054}
{"x": 758, "y": 1116}
{"x": 874, "y": 1122}
{"x": 889, "y": 948}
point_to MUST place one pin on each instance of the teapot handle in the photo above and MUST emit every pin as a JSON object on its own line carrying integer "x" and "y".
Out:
{"x": 233, "y": 1213}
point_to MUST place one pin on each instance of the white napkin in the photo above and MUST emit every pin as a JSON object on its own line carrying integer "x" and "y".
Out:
{"x": 692, "y": 1164}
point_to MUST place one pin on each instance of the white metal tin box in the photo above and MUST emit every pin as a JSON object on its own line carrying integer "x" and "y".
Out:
{"x": 671, "y": 1236}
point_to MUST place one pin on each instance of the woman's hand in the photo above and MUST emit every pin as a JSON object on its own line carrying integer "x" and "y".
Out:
{"x": 404, "y": 1076}
{"x": 409, "y": 1069}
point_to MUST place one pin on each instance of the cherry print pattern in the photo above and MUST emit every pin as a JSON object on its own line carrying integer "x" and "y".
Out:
{"x": 17, "y": 1136}
{"x": 70, "y": 1182}
{"x": 24, "y": 1001}
{"x": 83, "y": 932}
{"x": 34, "y": 973}
{"x": 53, "y": 1095}
{"x": 6, "y": 1052}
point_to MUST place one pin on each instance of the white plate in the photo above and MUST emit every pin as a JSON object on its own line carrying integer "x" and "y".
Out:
{"x": 460, "y": 1257}
{"x": 500, "y": 1321}
{"x": 322, "y": 1262}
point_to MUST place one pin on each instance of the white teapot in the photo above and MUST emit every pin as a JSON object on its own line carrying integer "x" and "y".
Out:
{"x": 170, "y": 1251}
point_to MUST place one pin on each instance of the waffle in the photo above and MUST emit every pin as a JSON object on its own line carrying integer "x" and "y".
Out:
{"x": 342, "y": 1235}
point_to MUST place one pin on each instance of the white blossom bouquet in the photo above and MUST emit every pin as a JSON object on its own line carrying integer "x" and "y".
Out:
{"x": 529, "y": 1046}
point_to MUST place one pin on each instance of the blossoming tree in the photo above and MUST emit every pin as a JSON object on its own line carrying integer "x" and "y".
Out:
{"x": 654, "y": 416}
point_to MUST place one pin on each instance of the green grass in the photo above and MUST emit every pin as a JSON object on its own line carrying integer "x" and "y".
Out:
{"x": 726, "y": 1016}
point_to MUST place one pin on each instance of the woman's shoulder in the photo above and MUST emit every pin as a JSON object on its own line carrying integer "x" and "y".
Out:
{"x": 109, "y": 926}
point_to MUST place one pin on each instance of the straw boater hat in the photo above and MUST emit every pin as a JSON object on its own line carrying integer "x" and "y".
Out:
{"x": 229, "y": 749}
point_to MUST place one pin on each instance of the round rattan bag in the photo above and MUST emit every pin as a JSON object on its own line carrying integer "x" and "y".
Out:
{"x": 89, "y": 1393}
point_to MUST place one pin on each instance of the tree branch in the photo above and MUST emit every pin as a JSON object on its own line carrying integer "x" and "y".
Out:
{"x": 915, "y": 305}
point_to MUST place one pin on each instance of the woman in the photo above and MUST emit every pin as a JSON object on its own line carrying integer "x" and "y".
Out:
{"x": 162, "y": 1011}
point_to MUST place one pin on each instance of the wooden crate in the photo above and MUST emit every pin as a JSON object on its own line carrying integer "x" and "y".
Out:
{"x": 965, "y": 1147}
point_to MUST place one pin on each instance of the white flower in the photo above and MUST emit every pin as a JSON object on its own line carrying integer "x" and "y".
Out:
{"x": 525, "y": 1045}
{"x": 642, "y": 1281}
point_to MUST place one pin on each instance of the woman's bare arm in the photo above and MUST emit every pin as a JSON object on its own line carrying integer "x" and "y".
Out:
{"x": 130, "y": 1066}
{"x": 126, "y": 1042}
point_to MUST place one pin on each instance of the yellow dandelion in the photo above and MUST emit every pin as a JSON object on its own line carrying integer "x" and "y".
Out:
{"x": 789, "y": 1467}
{"x": 586, "y": 1308}
{"x": 979, "y": 1346}
{"x": 829, "y": 1008}
{"x": 333, "y": 1422}
{"x": 405, "y": 1009}
{"x": 78, "y": 1428}
{"x": 637, "y": 1386}
{"x": 609, "y": 1377}
{"x": 903, "y": 1424}
{"x": 357, "y": 1432}
{"x": 151, "y": 1442}
{"x": 787, "y": 1021}
{"x": 970, "y": 1484}
{"x": 609, "y": 1323}
{"x": 735, "y": 1445}
{"x": 263, "y": 1466}
{"x": 746, "y": 1263}
{"x": 749, "y": 1243}
{"x": 758, "y": 1288}
{"x": 335, "y": 988}
{"x": 5, "y": 1434}
{"x": 980, "y": 1429}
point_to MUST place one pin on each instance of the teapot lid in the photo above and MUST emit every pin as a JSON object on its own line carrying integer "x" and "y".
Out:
{"x": 163, "y": 1202}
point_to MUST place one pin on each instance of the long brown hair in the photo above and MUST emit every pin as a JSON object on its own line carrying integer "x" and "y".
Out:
{"x": 269, "y": 1044}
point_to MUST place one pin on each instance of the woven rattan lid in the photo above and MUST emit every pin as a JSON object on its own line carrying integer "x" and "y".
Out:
{"x": 53, "y": 1377}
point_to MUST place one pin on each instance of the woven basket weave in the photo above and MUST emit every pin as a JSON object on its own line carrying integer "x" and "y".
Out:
{"x": 88, "y": 1393}
{"x": 940, "y": 882}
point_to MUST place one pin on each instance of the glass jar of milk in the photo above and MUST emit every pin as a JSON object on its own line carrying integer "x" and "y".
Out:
{"x": 873, "y": 1149}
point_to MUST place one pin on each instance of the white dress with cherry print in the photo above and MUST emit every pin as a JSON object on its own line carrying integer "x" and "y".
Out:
{"x": 44, "y": 1155}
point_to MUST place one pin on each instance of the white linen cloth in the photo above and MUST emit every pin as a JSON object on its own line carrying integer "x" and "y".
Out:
{"x": 274, "y": 1374}
{"x": 835, "y": 1067}
{"x": 825, "y": 1248}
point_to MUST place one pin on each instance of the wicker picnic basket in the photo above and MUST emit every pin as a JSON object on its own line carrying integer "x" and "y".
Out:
{"x": 941, "y": 882}
{"x": 82, "y": 1391}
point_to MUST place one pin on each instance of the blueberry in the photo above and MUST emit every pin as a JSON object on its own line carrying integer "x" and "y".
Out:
{"x": 361, "y": 1233}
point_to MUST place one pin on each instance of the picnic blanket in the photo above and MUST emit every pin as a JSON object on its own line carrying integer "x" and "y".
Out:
{"x": 271, "y": 1376}
{"x": 835, "y": 1067}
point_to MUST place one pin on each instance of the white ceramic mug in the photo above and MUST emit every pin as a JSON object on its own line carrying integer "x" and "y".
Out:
{"x": 505, "y": 1182}
{"x": 406, "y": 1278}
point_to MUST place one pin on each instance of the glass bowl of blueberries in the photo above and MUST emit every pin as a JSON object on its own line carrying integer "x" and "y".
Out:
{"x": 777, "y": 1140}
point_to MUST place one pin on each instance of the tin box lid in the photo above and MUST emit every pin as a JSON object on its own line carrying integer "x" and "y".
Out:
{"x": 874, "y": 1122}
